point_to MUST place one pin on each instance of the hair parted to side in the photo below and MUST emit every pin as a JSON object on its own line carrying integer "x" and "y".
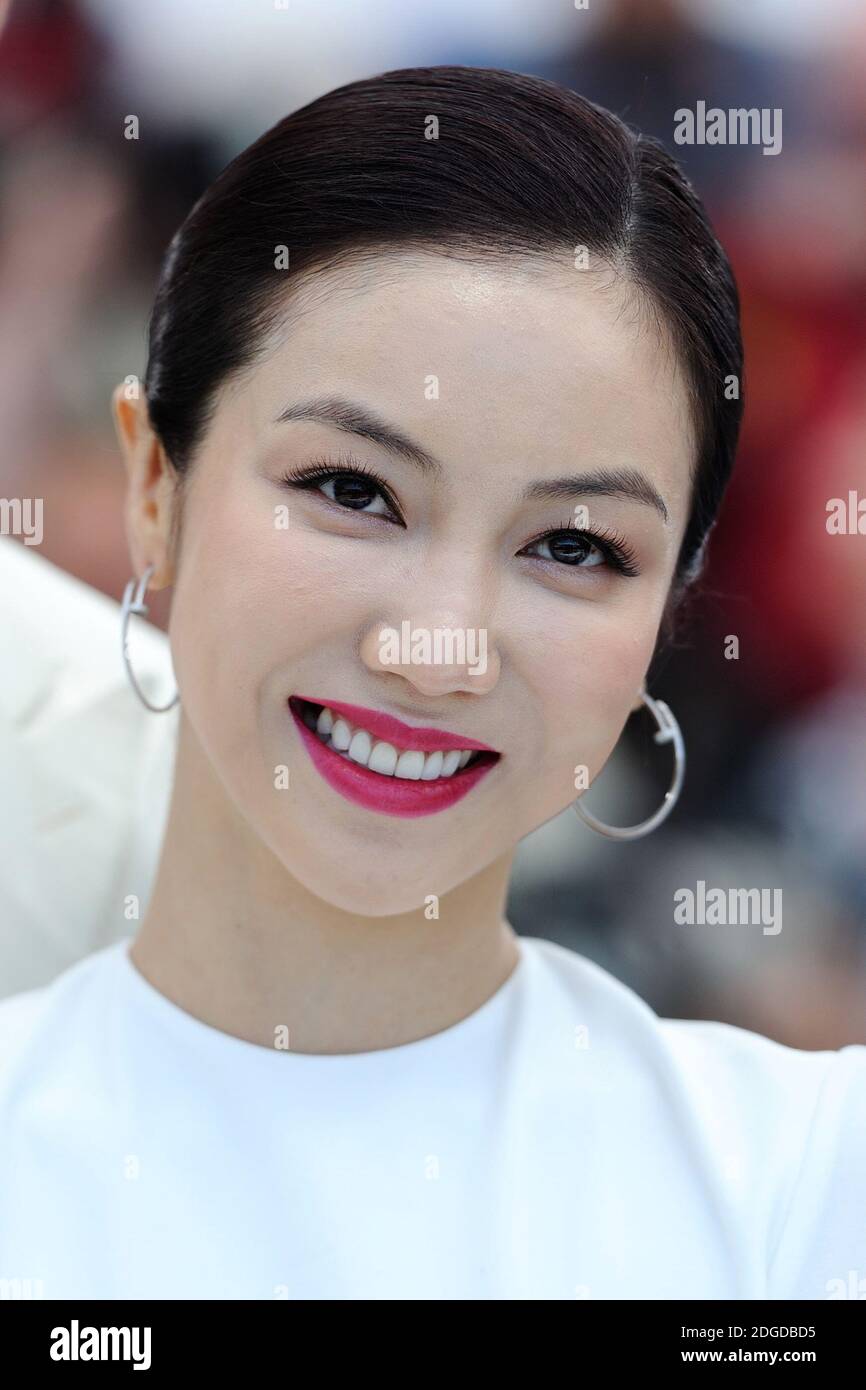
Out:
{"x": 521, "y": 166}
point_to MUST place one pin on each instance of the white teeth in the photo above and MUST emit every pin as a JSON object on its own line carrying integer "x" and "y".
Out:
{"x": 432, "y": 766}
{"x": 341, "y": 736}
{"x": 411, "y": 764}
{"x": 360, "y": 747}
{"x": 383, "y": 759}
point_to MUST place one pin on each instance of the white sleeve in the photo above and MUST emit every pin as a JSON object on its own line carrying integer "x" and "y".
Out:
{"x": 821, "y": 1251}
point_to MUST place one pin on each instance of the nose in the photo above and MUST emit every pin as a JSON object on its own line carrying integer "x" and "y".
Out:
{"x": 436, "y": 654}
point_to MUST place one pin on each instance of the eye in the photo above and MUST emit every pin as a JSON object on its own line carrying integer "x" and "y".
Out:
{"x": 353, "y": 487}
{"x": 587, "y": 550}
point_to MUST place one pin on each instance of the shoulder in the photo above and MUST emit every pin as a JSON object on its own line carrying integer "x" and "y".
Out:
{"x": 39, "y": 1025}
{"x": 779, "y": 1131}
{"x": 699, "y": 1050}
{"x": 791, "y": 1127}
{"x": 795, "y": 1108}
{"x": 722, "y": 1068}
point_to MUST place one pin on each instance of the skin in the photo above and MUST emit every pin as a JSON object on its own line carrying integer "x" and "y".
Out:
{"x": 295, "y": 907}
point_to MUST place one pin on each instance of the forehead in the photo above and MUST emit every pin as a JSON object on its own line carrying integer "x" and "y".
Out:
{"x": 520, "y": 361}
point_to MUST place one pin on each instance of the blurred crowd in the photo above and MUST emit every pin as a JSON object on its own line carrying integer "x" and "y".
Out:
{"x": 775, "y": 794}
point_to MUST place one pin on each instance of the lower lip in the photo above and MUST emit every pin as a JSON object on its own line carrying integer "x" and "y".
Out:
{"x": 390, "y": 796}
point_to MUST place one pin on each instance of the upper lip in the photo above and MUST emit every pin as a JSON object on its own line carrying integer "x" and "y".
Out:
{"x": 396, "y": 732}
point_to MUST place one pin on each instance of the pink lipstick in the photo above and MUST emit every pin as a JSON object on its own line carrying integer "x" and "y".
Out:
{"x": 391, "y": 796}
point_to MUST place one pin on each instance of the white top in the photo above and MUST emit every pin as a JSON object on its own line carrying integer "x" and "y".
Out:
{"x": 88, "y": 772}
{"x": 561, "y": 1142}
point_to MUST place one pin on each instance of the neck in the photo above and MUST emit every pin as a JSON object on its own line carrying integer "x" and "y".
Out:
{"x": 233, "y": 938}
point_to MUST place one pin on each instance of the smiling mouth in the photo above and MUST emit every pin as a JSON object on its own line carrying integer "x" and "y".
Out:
{"x": 398, "y": 764}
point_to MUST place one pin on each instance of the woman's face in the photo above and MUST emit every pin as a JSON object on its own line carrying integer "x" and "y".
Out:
{"x": 506, "y": 378}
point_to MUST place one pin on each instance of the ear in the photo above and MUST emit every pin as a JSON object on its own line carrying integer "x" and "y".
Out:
{"x": 151, "y": 486}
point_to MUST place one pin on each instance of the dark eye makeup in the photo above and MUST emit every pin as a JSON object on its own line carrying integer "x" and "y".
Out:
{"x": 574, "y": 545}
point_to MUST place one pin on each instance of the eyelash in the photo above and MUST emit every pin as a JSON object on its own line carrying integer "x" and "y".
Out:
{"x": 615, "y": 549}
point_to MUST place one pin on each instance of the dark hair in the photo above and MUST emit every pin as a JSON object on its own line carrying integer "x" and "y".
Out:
{"x": 521, "y": 164}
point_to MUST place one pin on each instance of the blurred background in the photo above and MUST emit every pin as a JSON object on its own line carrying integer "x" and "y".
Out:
{"x": 775, "y": 794}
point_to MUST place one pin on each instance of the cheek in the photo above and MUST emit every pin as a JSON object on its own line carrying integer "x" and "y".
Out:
{"x": 252, "y": 598}
{"x": 601, "y": 661}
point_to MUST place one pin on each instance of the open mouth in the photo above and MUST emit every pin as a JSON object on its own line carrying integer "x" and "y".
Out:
{"x": 357, "y": 745}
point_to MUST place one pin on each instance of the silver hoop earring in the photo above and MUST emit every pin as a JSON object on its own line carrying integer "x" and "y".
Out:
{"x": 668, "y": 732}
{"x": 133, "y": 602}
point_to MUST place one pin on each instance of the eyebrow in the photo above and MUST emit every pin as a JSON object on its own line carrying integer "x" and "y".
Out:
{"x": 357, "y": 419}
{"x": 601, "y": 482}
{"x": 354, "y": 418}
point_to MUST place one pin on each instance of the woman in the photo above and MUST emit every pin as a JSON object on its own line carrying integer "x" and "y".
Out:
{"x": 448, "y": 351}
